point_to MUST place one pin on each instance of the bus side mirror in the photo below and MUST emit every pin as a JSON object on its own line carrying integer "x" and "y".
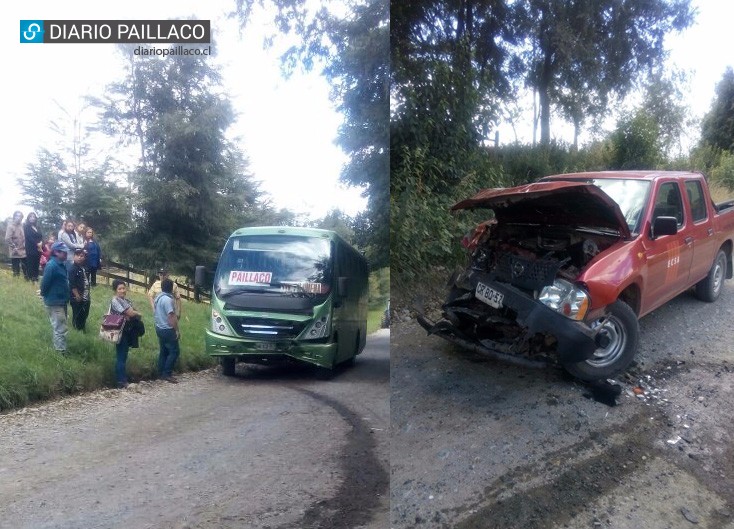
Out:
{"x": 199, "y": 280}
{"x": 199, "y": 276}
{"x": 342, "y": 285}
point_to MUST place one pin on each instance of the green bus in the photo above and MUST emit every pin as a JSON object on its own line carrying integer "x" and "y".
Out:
{"x": 288, "y": 294}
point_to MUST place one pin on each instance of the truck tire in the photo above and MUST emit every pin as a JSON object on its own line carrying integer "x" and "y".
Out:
{"x": 710, "y": 287}
{"x": 623, "y": 331}
{"x": 227, "y": 366}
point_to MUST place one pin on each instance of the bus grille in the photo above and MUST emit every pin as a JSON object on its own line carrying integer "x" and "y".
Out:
{"x": 266, "y": 329}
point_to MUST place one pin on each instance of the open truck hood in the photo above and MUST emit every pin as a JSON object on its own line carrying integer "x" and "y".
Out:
{"x": 560, "y": 203}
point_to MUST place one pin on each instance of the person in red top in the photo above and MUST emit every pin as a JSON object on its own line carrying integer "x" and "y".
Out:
{"x": 46, "y": 251}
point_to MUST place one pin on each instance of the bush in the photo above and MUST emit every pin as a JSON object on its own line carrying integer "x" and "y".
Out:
{"x": 423, "y": 231}
{"x": 723, "y": 173}
{"x": 521, "y": 164}
{"x": 637, "y": 143}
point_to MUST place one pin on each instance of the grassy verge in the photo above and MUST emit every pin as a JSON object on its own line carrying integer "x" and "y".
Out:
{"x": 374, "y": 317}
{"x": 31, "y": 370}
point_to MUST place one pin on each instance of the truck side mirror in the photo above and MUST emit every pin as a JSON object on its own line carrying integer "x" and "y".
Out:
{"x": 664, "y": 226}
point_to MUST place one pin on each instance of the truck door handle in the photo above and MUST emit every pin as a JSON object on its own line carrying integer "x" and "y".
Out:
{"x": 711, "y": 232}
{"x": 688, "y": 240}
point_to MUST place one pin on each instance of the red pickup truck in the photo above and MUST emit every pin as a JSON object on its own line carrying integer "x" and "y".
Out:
{"x": 568, "y": 264}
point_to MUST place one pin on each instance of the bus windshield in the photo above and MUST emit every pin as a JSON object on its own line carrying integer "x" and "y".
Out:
{"x": 289, "y": 265}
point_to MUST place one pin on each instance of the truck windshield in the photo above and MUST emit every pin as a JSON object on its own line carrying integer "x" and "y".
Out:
{"x": 630, "y": 195}
{"x": 283, "y": 264}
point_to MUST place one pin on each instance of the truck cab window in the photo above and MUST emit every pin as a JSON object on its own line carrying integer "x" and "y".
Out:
{"x": 695, "y": 197}
{"x": 668, "y": 202}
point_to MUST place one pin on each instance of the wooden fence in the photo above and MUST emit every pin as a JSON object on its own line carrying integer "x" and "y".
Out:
{"x": 137, "y": 280}
{"x": 141, "y": 280}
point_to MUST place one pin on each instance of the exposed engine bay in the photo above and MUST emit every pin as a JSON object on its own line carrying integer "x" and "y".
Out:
{"x": 530, "y": 256}
{"x": 525, "y": 258}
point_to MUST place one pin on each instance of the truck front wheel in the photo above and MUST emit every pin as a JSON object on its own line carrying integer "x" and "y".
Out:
{"x": 227, "y": 366}
{"x": 709, "y": 288}
{"x": 621, "y": 334}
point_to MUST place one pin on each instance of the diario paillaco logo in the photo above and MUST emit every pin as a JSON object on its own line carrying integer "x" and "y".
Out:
{"x": 116, "y": 31}
{"x": 31, "y": 31}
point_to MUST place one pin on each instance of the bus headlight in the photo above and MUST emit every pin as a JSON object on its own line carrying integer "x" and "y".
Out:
{"x": 218, "y": 325}
{"x": 565, "y": 298}
{"x": 320, "y": 328}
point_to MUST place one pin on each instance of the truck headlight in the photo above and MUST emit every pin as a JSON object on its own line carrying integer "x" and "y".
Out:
{"x": 565, "y": 298}
{"x": 218, "y": 325}
{"x": 320, "y": 328}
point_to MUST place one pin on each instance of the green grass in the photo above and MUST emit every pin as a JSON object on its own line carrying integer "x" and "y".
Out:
{"x": 30, "y": 369}
{"x": 374, "y": 317}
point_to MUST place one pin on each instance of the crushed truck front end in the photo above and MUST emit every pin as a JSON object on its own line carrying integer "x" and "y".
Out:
{"x": 522, "y": 299}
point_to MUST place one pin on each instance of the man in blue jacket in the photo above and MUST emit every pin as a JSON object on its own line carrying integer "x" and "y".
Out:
{"x": 55, "y": 293}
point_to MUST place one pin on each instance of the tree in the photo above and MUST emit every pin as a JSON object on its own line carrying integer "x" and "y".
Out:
{"x": 449, "y": 64}
{"x": 191, "y": 187}
{"x": 663, "y": 104}
{"x": 718, "y": 124}
{"x": 68, "y": 179}
{"x": 352, "y": 50}
{"x": 580, "y": 55}
{"x": 360, "y": 69}
{"x": 636, "y": 142}
{"x": 103, "y": 204}
{"x": 450, "y": 75}
{"x": 45, "y": 188}
{"x": 336, "y": 220}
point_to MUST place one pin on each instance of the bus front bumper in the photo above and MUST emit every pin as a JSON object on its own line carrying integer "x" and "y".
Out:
{"x": 264, "y": 352}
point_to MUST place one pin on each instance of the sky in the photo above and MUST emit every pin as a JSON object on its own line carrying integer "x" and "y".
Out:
{"x": 286, "y": 128}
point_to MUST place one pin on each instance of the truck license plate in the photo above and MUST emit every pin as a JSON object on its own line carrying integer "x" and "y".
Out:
{"x": 265, "y": 346}
{"x": 489, "y": 295}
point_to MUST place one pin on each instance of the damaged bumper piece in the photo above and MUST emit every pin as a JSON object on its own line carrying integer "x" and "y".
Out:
{"x": 512, "y": 326}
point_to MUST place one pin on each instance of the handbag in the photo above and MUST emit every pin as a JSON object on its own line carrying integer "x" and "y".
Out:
{"x": 112, "y": 327}
{"x": 113, "y": 321}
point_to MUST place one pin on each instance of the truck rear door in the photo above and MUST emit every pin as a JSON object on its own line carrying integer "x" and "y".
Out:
{"x": 702, "y": 230}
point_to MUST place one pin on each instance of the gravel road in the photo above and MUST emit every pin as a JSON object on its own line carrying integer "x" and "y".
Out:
{"x": 480, "y": 444}
{"x": 271, "y": 448}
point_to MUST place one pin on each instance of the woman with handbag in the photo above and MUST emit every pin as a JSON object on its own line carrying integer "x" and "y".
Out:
{"x": 131, "y": 331}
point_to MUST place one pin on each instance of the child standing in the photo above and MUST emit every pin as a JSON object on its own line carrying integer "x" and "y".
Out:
{"x": 79, "y": 285}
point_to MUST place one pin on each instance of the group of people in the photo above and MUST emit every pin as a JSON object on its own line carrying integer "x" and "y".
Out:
{"x": 61, "y": 286}
{"x": 29, "y": 253}
{"x": 80, "y": 237}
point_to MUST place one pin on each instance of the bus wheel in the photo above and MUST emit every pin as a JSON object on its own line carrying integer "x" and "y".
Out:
{"x": 326, "y": 373}
{"x": 227, "y": 366}
{"x": 350, "y": 361}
